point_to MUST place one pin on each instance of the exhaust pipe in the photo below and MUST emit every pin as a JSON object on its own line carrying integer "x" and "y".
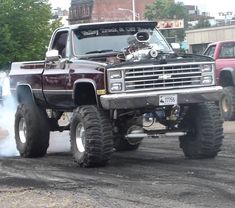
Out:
{"x": 135, "y": 137}
{"x": 174, "y": 134}
{"x": 140, "y": 135}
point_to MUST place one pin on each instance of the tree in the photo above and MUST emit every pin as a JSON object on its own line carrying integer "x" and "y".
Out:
{"x": 165, "y": 10}
{"x": 202, "y": 23}
{"x": 24, "y": 30}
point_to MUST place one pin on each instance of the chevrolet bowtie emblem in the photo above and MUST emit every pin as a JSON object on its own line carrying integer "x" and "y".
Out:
{"x": 164, "y": 76}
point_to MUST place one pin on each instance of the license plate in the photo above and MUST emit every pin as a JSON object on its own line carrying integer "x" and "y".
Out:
{"x": 168, "y": 99}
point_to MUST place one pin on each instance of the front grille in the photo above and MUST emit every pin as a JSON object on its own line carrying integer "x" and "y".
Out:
{"x": 162, "y": 77}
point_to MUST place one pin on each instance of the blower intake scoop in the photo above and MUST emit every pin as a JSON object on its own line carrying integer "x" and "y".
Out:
{"x": 140, "y": 48}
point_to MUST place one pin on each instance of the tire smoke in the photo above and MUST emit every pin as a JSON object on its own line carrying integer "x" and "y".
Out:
{"x": 7, "y": 117}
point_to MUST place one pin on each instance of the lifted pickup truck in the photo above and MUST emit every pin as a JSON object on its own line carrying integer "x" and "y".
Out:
{"x": 224, "y": 54}
{"x": 109, "y": 75}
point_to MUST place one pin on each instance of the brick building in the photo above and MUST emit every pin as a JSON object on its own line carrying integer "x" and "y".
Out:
{"x": 106, "y": 10}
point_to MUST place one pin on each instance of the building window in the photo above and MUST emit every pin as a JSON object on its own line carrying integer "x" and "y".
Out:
{"x": 74, "y": 12}
{"x": 80, "y": 11}
{"x": 77, "y": 12}
{"x": 87, "y": 10}
{"x": 84, "y": 11}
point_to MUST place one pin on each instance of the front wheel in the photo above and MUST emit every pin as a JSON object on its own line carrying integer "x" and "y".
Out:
{"x": 227, "y": 103}
{"x": 205, "y": 131}
{"x": 91, "y": 136}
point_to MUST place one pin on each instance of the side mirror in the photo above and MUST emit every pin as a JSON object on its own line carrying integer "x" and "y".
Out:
{"x": 52, "y": 55}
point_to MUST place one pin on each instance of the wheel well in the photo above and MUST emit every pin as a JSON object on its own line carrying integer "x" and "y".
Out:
{"x": 85, "y": 94}
{"x": 226, "y": 79}
{"x": 24, "y": 93}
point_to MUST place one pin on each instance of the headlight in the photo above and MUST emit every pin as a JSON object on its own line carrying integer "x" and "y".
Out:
{"x": 115, "y": 74}
{"x": 206, "y": 68}
{"x": 115, "y": 80}
{"x": 207, "y": 80}
{"x": 116, "y": 86}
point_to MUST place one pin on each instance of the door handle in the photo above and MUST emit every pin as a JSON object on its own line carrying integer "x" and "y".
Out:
{"x": 71, "y": 71}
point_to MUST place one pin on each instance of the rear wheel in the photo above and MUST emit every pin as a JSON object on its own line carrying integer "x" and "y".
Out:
{"x": 205, "y": 135}
{"x": 91, "y": 136}
{"x": 31, "y": 130}
{"x": 227, "y": 103}
{"x": 126, "y": 126}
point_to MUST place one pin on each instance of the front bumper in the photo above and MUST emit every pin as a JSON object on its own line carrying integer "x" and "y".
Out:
{"x": 150, "y": 99}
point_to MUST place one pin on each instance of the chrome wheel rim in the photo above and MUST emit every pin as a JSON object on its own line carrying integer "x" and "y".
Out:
{"x": 80, "y": 138}
{"x": 225, "y": 104}
{"x": 22, "y": 130}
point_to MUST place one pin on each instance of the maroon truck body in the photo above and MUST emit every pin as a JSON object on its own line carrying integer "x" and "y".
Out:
{"x": 53, "y": 86}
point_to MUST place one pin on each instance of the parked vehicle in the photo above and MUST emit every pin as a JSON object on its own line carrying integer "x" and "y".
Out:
{"x": 109, "y": 75}
{"x": 224, "y": 54}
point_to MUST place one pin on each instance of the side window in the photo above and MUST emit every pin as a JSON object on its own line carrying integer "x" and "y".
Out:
{"x": 210, "y": 51}
{"x": 59, "y": 43}
{"x": 227, "y": 50}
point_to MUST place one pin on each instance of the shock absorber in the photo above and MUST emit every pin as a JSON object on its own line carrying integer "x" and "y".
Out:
{"x": 175, "y": 113}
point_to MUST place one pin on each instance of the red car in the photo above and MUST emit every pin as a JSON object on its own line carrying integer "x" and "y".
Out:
{"x": 224, "y": 54}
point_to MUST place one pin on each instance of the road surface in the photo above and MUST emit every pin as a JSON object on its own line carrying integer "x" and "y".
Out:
{"x": 157, "y": 175}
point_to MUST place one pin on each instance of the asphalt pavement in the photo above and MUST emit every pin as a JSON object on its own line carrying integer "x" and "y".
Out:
{"x": 156, "y": 175}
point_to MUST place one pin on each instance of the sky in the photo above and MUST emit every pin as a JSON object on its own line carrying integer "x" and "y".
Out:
{"x": 211, "y": 6}
{"x": 64, "y": 4}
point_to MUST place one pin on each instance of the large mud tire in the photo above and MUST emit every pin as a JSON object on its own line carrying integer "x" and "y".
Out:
{"x": 205, "y": 135}
{"x": 91, "y": 136}
{"x": 125, "y": 126}
{"x": 227, "y": 103}
{"x": 31, "y": 130}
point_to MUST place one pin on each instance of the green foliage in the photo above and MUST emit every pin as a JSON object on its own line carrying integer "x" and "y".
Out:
{"x": 165, "y": 10}
{"x": 24, "y": 30}
{"x": 202, "y": 23}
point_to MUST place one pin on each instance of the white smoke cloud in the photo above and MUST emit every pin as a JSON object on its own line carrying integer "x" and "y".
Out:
{"x": 59, "y": 142}
{"x": 7, "y": 117}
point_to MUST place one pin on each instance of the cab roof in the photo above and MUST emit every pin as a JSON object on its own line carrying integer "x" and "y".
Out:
{"x": 96, "y": 25}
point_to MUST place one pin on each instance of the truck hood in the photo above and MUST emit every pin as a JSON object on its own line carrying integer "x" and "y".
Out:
{"x": 93, "y": 64}
{"x": 167, "y": 59}
{"x": 103, "y": 61}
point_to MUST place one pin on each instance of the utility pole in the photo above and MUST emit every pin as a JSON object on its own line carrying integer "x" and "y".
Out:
{"x": 225, "y": 14}
{"x": 133, "y": 9}
{"x": 134, "y": 13}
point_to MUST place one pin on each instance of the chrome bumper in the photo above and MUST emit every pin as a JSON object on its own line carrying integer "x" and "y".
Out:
{"x": 145, "y": 99}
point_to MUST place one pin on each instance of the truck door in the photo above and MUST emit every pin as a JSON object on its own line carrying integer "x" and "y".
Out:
{"x": 55, "y": 73}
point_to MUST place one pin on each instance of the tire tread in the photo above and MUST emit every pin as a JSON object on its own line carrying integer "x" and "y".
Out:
{"x": 209, "y": 136}
{"x": 99, "y": 138}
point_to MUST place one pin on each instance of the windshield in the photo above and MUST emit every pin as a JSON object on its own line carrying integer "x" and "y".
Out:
{"x": 113, "y": 39}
